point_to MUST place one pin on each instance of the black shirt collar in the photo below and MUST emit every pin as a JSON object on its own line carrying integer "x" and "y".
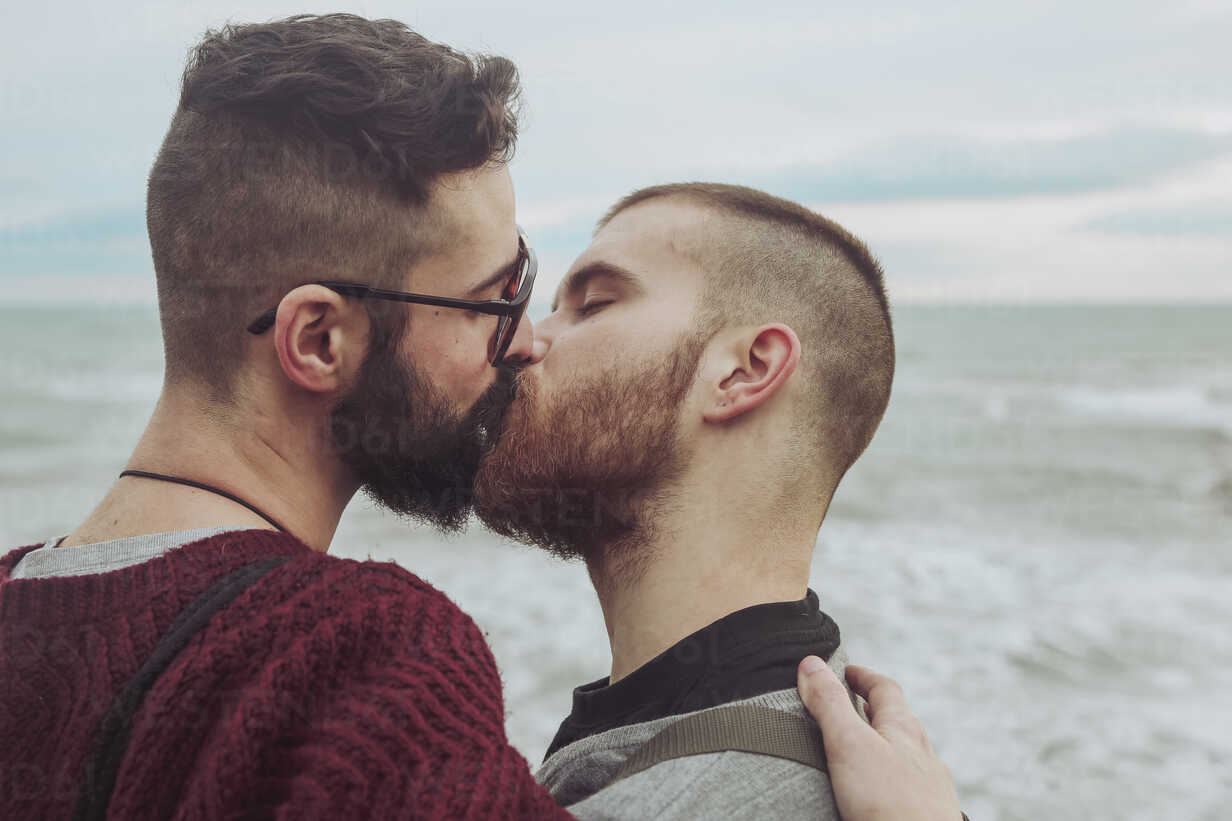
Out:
{"x": 744, "y": 654}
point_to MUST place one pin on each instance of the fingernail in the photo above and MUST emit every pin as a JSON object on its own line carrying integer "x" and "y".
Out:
{"x": 812, "y": 664}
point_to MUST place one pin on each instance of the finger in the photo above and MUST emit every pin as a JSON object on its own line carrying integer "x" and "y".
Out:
{"x": 864, "y": 679}
{"x": 888, "y": 709}
{"x": 827, "y": 700}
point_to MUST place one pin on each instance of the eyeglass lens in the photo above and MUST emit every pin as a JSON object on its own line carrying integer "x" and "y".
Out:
{"x": 508, "y": 325}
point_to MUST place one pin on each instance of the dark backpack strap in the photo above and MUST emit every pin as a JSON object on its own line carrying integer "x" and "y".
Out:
{"x": 111, "y": 740}
{"x": 748, "y": 728}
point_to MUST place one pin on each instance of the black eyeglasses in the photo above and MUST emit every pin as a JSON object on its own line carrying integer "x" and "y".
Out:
{"x": 509, "y": 307}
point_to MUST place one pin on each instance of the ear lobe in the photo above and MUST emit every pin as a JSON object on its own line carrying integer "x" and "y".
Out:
{"x": 313, "y": 338}
{"x": 761, "y": 366}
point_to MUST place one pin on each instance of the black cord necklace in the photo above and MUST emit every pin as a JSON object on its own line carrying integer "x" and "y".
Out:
{"x": 145, "y": 474}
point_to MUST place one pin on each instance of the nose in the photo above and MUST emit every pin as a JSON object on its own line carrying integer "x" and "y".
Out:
{"x": 545, "y": 335}
{"x": 540, "y": 343}
{"x": 521, "y": 347}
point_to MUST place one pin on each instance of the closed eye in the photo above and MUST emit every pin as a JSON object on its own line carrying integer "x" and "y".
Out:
{"x": 590, "y": 307}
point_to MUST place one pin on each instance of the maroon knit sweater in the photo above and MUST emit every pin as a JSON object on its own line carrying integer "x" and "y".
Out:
{"x": 332, "y": 689}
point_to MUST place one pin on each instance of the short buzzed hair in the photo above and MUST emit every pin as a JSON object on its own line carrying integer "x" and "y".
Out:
{"x": 771, "y": 260}
{"x": 305, "y": 149}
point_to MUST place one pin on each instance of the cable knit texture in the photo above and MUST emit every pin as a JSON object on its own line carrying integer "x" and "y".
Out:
{"x": 332, "y": 689}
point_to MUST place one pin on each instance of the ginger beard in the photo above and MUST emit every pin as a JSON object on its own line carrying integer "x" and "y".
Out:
{"x": 413, "y": 454}
{"x": 577, "y": 473}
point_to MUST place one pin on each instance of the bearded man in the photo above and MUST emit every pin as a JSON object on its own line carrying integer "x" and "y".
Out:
{"x": 340, "y": 287}
{"x": 340, "y": 283}
{"x": 713, "y": 364}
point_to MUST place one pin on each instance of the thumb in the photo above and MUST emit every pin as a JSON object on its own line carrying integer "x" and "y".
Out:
{"x": 830, "y": 704}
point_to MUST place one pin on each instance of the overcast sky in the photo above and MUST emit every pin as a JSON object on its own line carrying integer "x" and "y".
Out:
{"x": 1035, "y": 151}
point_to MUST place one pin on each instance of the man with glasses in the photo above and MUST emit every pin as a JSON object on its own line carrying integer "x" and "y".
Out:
{"x": 340, "y": 283}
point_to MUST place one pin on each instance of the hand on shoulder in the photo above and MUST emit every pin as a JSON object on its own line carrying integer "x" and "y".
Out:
{"x": 892, "y": 749}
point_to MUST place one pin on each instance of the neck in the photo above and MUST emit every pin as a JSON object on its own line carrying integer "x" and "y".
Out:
{"x": 704, "y": 563}
{"x": 293, "y": 481}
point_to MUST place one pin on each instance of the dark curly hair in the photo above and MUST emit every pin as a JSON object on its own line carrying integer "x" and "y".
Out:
{"x": 307, "y": 148}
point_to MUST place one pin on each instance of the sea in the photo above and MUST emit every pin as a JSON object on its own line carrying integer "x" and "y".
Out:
{"x": 1037, "y": 545}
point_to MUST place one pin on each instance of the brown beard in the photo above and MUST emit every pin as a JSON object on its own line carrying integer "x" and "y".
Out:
{"x": 580, "y": 473}
{"x": 413, "y": 454}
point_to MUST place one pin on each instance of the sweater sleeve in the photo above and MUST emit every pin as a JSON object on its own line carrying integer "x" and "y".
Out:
{"x": 389, "y": 706}
{"x": 416, "y": 725}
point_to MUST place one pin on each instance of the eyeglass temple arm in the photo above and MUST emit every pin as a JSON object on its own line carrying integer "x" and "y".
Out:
{"x": 493, "y": 307}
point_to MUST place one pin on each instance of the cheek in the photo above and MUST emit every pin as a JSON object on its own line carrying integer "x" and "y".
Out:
{"x": 581, "y": 349}
{"x": 454, "y": 356}
{"x": 629, "y": 333}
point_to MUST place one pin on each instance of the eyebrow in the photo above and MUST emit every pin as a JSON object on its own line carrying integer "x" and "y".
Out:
{"x": 582, "y": 276}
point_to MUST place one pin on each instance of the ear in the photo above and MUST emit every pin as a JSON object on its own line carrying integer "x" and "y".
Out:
{"x": 748, "y": 369}
{"x": 320, "y": 339}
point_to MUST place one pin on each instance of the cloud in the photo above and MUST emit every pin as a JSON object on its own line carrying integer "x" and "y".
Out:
{"x": 951, "y": 136}
{"x": 1043, "y": 247}
{"x": 1206, "y": 219}
{"x": 930, "y": 167}
{"x": 96, "y": 241}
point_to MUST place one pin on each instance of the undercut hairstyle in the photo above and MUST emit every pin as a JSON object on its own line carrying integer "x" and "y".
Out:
{"x": 306, "y": 149}
{"x": 771, "y": 260}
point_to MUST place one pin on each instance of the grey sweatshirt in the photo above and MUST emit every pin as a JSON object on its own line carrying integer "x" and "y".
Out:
{"x": 727, "y": 785}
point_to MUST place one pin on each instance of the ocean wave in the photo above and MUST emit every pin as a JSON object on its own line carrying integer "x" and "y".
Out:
{"x": 100, "y": 386}
{"x": 1173, "y": 406}
{"x": 1191, "y": 406}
